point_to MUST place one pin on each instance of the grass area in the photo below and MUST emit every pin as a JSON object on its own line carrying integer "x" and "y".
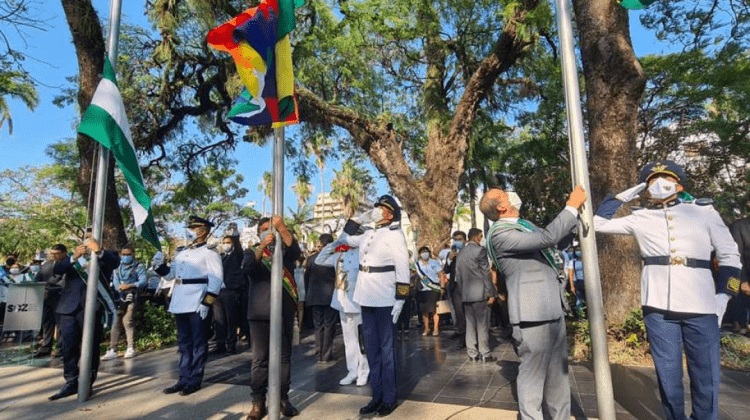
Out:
{"x": 627, "y": 344}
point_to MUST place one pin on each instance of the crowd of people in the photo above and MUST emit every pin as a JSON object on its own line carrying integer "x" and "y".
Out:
{"x": 512, "y": 283}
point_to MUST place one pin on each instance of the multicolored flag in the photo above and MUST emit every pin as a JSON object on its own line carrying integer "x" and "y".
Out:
{"x": 105, "y": 122}
{"x": 258, "y": 40}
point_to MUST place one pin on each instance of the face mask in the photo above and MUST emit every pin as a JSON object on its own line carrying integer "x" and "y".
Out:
{"x": 14, "y": 271}
{"x": 126, "y": 259}
{"x": 225, "y": 248}
{"x": 662, "y": 188}
{"x": 425, "y": 255}
{"x": 190, "y": 235}
{"x": 35, "y": 268}
{"x": 458, "y": 245}
{"x": 377, "y": 215}
{"x": 265, "y": 233}
{"x": 483, "y": 242}
{"x": 577, "y": 253}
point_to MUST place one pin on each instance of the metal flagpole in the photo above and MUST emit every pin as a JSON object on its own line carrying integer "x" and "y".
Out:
{"x": 602, "y": 374}
{"x": 274, "y": 360}
{"x": 90, "y": 349}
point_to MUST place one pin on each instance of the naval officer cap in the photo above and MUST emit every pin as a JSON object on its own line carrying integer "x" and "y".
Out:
{"x": 662, "y": 167}
{"x": 390, "y": 203}
{"x": 195, "y": 221}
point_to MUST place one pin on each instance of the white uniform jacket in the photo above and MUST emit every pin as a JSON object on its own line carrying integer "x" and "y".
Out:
{"x": 346, "y": 264}
{"x": 384, "y": 246}
{"x": 679, "y": 229}
{"x": 194, "y": 263}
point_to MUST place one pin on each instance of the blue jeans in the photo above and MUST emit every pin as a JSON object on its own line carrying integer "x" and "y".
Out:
{"x": 668, "y": 333}
{"x": 379, "y": 330}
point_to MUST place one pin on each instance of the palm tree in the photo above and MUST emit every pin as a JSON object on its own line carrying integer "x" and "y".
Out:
{"x": 266, "y": 186}
{"x": 16, "y": 85}
{"x": 351, "y": 184}
{"x": 320, "y": 147}
{"x": 303, "y": 189}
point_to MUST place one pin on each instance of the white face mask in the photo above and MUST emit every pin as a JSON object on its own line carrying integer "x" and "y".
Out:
{"x": 662, "y": 188}
{"x": 425, "y": 255}
{"x": 14, "y": 271}
{"x": 483, "y": 242}
{"x": 377, "y": 215}
{"x": 190, "y": 234}
{"x": 35, "y": 268}
{"x": 225, "y": 248}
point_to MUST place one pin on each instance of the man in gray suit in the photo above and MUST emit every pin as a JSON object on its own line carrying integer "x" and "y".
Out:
{"x": 523, "y": 252}
{"x": 477, "y": 292}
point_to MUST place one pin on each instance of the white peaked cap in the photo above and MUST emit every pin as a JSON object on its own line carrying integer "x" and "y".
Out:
{"x": 514, "y": 199}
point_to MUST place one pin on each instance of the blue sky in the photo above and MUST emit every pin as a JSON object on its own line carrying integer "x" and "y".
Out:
{"x": 54, "y": 59}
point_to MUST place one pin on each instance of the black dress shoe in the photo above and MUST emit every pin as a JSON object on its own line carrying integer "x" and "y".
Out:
{"x": 218, "y": 350}
{"x": 386, "y": 409}
{"x": 66, "y": 391}
{"x": 41, "y": 353}
{"x": 370, "y": 408}
{"x": 288, "y": 409}
{"x": 174, "y": 388}
{"x": 489, "y": 359}
{"x": 232, "y": 350}
{"x": 189, "y": 390}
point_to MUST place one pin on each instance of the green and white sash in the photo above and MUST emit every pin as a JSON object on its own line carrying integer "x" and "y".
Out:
{"x": 522, "y": 226}
{"x": 103, "y": 295}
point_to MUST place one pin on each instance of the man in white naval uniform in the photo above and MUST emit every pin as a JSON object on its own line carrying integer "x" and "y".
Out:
{"x": 383, "y": 262}
{"x": 346, "y": 262}
{"x": 681, "y": 303}
{"x": 198, "y": 274}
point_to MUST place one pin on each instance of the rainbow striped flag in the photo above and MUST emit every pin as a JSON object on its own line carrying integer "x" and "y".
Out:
{"x": 258, "y": 40}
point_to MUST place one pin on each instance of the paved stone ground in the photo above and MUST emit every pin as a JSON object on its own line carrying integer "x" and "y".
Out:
{"x": 430, "y": 370}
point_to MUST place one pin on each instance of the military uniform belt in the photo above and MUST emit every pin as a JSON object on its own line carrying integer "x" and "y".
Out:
{"x": 192, "y": 281}
{"x": 687, "y": 262}
{"x": 383, "y": 269}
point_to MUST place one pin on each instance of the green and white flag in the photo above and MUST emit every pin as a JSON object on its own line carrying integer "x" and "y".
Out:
{"x": 106, "y": 122}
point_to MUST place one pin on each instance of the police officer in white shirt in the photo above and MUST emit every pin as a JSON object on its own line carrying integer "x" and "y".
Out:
{"x": 682, "y": 306}
{"x": 346, "y": 262}
{"x": 383, "y": 270}
{"x": 198, "y": 275}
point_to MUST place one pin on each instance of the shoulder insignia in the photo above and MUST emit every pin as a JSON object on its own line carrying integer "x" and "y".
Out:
{"x": 212, "y": 247}
{"x": 180, "y": 248}
{"x": 394, "y": 227}
{"x": 635, "y": 208}
{"x": 704, "y": 201}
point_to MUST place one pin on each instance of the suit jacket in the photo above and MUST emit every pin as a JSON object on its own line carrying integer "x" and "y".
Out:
{"x": 741, "y": 234}
{"x": 472, "y": 274}
{"x": 46, "y": 274}
{"x": 73, "y": 295}
{"x": 320, "y": 281}
{"x": 534, "y": 292}
{"x": 259, "y": 292}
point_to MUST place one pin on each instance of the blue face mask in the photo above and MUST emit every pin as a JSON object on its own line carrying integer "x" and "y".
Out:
{"x": 458, "y": 245}
{"x": 126, "y": 259}
{"x": 577, "y": 253}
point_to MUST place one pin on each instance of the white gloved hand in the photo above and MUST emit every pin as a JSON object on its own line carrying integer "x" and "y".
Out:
{"x": 631, "y": 193}
{"x": 157, "y": 260}
{"x": 396, "y": 311}
{"x": 722, "y": 299}
{"x": 203, "y": 311}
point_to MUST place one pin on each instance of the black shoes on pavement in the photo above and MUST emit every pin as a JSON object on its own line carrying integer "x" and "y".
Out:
{"x": 189, "y": 390}
{"x": 174, "y": 388}
{"x": 288, "y": 409}
{"x": 489, "y": 359}
{"x": 370, "y": 408}
{"x": 386, "y": 409}
{"x": 66, "y": 391}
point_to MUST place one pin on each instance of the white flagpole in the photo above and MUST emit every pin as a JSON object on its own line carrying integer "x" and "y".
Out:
{"x": 580, "y": 175}
{"x": 277, "y": 268}
{"x": 89, "y": 349}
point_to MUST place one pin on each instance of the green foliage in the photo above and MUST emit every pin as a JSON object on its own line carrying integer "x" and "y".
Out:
{"x": 352, "y": 184}
{"x": 735, "y": 352}
{"x": 633, "y": 329}
{"x": 155, "y": 328}
{"x": 579, "y": 339}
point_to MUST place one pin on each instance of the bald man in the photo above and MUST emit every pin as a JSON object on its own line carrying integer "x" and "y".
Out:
{"x": 523, "y": 252}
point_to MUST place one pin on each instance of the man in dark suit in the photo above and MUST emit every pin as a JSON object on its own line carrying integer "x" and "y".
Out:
{"x": 523, "y": 253}
{"x": 740, "y": 304}
{"x": 454, "y": 293}
{"x": 319, "y": 286}
{"x": 52, "y": 288}
{"x": 257, "y": 266}
{"x": 477, "y": 292}
{"x": 70, "y": 309}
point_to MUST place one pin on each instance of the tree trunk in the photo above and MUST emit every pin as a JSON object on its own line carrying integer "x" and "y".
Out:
{"x": 89, "y": 44}
{"x": 614, "y": 85}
